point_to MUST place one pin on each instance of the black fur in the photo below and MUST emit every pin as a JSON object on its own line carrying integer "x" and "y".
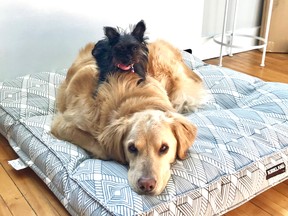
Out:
{"x": 122, "y": 49}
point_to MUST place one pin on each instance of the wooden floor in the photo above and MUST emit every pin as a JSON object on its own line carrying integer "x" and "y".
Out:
{"x": 22, "y": 193}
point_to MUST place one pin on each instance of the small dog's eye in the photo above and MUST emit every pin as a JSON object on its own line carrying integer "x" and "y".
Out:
{"x": 132, "y": 148}
{"x": 164, "y": 149}
{"x": 134, "y": 48}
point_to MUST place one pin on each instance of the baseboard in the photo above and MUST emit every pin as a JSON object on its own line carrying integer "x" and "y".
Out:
{"x": 209, "y": 49}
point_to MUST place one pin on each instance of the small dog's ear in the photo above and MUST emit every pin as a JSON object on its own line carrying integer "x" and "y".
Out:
{"x": 112, "y": 34}
{"x": 185, "y": 134}
{"x": 139, "y": 30}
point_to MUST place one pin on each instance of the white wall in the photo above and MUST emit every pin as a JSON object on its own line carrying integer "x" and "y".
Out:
{"x": 249, "y": 15}
{"x": 38, "y": 35}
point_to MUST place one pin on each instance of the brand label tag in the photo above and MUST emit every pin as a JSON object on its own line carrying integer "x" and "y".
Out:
{"x": 275, "y": 170}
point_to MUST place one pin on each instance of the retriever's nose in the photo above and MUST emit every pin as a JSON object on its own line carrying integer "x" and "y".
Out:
{"x": 146, "y": 184}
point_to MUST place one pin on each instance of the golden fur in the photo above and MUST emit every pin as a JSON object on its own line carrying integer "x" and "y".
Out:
{"x": 132, "y": 122}
{"x": 183, "y": 86}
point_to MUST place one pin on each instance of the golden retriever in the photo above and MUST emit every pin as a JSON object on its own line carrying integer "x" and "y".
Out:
{"x": 130, "y": 121}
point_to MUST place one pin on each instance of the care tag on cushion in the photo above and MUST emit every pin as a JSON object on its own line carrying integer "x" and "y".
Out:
{"x": 17, "y": 164}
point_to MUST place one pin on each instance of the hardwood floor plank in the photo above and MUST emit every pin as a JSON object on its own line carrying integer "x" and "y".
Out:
{"x": 8, "y": 189}
{"x": 269, "y": 206}
{"x": 236, "y": 213}
{"x": 249, "y": 209}
{"x": 273, "y": 195}
{"x": 282, "y": 188}
{"x": 11, "y": 195}
{"x": 4, "y": 209}
{"x": 20, "y": 207}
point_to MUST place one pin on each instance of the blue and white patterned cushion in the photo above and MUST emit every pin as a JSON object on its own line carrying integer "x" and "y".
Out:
{"x": 242, "y": 132}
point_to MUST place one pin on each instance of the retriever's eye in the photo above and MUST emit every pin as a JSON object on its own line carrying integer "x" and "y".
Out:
{"x": 132, "y": 148}
{"x": 164, "y": 149}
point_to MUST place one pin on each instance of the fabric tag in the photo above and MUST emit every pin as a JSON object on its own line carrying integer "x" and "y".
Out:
{"x": 17, "y": 164}
{"x": 275, "y": 170}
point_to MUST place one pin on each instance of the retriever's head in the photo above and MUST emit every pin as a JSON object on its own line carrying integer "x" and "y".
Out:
{"x": 149, "y": 141}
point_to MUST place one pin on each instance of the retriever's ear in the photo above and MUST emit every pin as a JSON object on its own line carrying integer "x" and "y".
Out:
{"x": 185, "y": 134}
{"x": 112, "y": 139}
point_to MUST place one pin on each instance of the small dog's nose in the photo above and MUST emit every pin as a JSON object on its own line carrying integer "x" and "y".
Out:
{"x": 146, "y": 184}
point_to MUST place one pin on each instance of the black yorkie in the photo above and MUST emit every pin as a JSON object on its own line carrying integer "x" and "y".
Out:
{"x": 122, "y": 52}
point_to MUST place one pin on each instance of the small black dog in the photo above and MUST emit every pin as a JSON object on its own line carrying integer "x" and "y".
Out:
{"x": 122, "y": 52}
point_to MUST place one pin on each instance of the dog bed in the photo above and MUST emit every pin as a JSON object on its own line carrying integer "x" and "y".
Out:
{"x": 240, "y": 150}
